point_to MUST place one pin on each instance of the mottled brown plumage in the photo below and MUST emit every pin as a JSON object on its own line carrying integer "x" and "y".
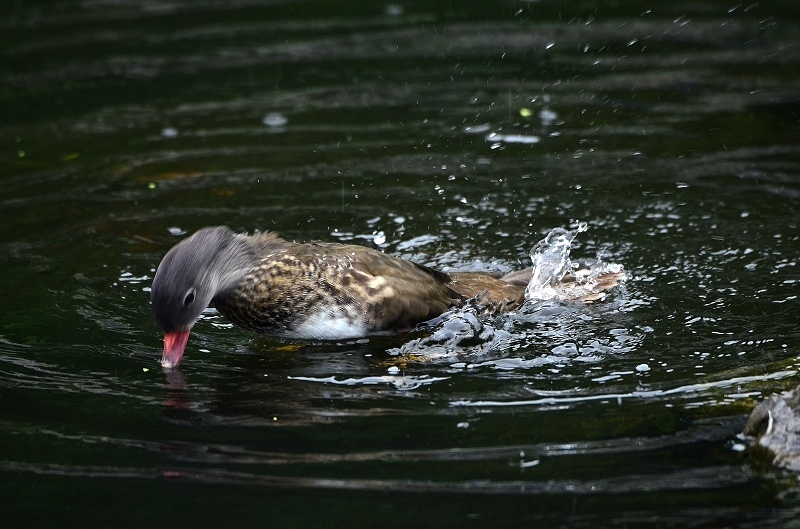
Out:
{"x": 292, "y": 282}
{"x": 313, "y": 290}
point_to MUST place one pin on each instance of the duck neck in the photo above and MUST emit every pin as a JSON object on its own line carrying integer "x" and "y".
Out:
{"x": 230, "y": 264}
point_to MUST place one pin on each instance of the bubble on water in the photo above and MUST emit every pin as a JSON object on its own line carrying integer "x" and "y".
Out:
{"x": 400, "y": 382}
{"x": 275, "y": 120}
{"x": 477, "y": 129}
{"x": 547, "y": 116}
{"x": 394, "y": 10}
{"x": 497, "y": 139}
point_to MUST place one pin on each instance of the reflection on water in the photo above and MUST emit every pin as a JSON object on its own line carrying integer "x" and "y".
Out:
{"x": 453, "y": 135}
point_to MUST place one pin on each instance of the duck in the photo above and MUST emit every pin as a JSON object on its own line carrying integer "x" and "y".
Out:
{"x": 316, "y": 290}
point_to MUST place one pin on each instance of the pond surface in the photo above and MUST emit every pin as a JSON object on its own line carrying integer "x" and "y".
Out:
{"x": 454, "y": 134}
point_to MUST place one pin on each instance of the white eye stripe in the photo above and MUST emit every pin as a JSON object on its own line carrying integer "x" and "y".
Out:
{"x": 189, "y": 298}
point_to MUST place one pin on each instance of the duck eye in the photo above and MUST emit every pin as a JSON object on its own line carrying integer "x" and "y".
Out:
{"x": 189, "y": 298}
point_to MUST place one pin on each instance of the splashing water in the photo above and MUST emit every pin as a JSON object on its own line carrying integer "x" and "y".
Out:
{"x": 551, "y": 262}
{"x": 554, "y": 275}
{"x": 454, "y": 332}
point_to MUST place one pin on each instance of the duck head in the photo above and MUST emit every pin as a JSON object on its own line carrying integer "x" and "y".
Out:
{"x": 190, "y": 275}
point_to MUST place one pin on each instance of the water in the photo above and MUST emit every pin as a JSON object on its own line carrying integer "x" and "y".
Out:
{"x": 551, "y": 263}
{"x": 455, "y": 135}
{"x": 556, "y": 277}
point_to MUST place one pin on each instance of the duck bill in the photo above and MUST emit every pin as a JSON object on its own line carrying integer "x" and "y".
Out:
{"x": 174, "y": 345}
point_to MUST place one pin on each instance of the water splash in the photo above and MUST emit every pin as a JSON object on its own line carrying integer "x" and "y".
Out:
{"x": 455, "y": 332}
{"x": 551, "y": 262}
{"x": 555, "y": 277}
{"x": 400, "y": 382}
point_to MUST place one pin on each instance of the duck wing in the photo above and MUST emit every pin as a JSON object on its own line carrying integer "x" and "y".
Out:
{"x": 393, "y": 293}
{"x": 333, "y": 291}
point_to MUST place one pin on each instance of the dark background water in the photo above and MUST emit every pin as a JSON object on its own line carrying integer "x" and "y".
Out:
{"x": 453, "y": 133}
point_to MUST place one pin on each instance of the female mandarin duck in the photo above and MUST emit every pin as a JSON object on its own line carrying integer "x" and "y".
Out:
{"x": 316, "y": 291}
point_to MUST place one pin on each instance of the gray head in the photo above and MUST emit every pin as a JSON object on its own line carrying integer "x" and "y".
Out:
{"x": 193, "y": 272}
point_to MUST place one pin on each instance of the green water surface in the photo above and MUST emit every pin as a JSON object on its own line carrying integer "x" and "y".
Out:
{"x": 456, "y": 134}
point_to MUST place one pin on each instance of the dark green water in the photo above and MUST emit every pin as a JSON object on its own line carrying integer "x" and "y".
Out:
{"x": 460, "y": 133}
